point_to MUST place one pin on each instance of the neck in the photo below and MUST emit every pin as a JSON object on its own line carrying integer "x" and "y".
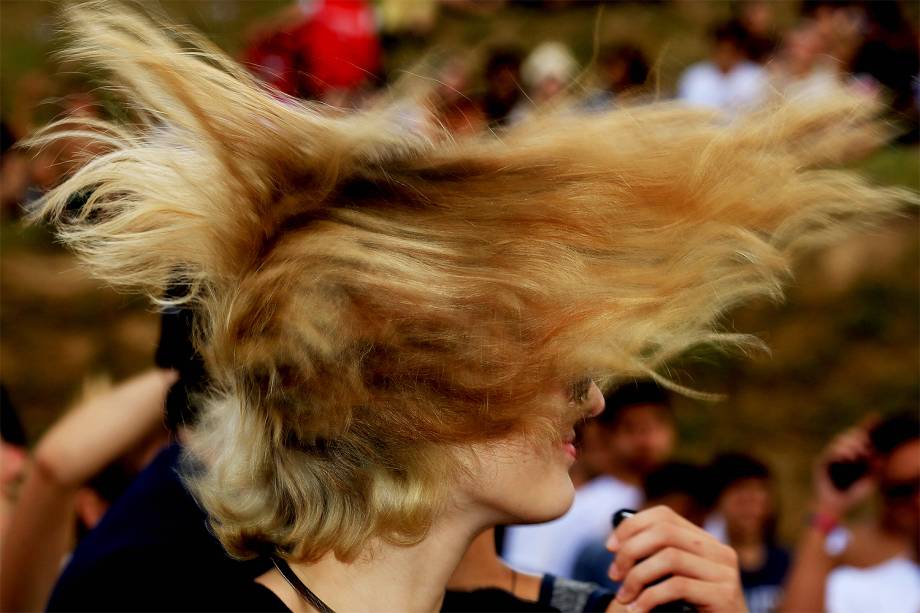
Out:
{"x": 750, "y": 548}
{"x": 889, "y": 531}
{"x": 482, "y": 568}
{"x": 745, "y": 539}
{"x": 386, "y": 576}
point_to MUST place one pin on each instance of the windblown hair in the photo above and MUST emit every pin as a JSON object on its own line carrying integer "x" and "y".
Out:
{"x": 370, "y": 299}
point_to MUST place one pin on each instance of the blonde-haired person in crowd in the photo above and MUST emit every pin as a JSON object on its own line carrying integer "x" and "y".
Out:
{"x": 402, "y": 333}
{"x": 547, "y": 72}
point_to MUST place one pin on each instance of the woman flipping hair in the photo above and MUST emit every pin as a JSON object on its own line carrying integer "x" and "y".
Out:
{"x": 401, "y": 333}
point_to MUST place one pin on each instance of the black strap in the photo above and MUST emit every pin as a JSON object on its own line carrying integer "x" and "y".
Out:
{"x": 295, "y": 582}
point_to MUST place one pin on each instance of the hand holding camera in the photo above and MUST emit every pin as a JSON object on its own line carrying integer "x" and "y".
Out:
{"x": 843, "y": 473}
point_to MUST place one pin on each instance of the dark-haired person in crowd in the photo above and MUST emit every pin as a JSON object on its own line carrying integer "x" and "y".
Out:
{"x": 622, "y": 71}
{"x": 744, "y": 500}
{"x": 728, "y": 81}
{"x": 888, "y": 57}
{"x": 683, "y": 487}
{"x": 840, "y": 23}
{"x": 871, "y": 566}
{"x": 636, "y": 430}
{"x": 757, "y": 19}
{"x": 503, "y": 85}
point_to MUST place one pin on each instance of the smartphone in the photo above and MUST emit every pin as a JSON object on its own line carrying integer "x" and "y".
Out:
{"x": 678, "y": 606}
{"x": 845, "y": 473}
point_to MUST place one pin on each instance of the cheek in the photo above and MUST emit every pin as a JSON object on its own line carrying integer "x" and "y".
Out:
{"x": 520, "y": 484}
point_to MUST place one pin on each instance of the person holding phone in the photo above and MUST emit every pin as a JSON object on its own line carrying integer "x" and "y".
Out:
{"x": 667, "y": 564}
{"x": 872, "y": 566}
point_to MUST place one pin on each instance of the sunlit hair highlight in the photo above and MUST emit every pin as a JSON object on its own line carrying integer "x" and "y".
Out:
{"x": 370, "y": 298}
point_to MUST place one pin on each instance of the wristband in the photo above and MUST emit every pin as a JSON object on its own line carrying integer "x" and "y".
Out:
{"x": 823, "y": 522}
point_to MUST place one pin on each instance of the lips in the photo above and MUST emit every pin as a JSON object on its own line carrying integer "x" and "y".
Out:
{"x": 568, "y": 445}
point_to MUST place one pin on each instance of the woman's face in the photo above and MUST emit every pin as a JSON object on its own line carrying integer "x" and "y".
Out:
{"x": 518, "y": 480}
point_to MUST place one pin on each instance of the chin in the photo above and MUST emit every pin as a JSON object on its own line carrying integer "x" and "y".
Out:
{"x": 549, "y": 499}
{"x": 564, "y": 499}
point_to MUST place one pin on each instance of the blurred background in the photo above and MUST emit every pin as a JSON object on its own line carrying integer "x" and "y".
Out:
{"x": 843, "y": 345}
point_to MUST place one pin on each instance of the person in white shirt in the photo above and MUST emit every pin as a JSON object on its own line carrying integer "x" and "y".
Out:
{"x": 729, "y": 81}
{"x": 634, "y": 435}
{"x": 872, "y": 566}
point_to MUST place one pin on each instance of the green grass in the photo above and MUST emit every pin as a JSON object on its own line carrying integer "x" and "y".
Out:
{"x": 895, "y": 166}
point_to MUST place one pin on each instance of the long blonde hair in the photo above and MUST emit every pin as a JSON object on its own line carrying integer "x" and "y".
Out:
{"x": 369, "y": 298}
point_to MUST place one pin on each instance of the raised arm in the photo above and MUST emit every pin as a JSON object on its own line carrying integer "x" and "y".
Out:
{"x": 83, "y": 442}
{"x": 808, "y": 576}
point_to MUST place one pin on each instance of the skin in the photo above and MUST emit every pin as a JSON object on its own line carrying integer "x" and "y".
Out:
{"x": 658, "y": 542}
{"x": 895, "y": 531}
{"x": 481, "y": 567}
{"x": 726, "y": 55}
{"x": 13, "y": 463}
{"x": 502, "y": 489}
{"x": 757, "y": 17}
{"x": 642, "y": 440}
{"x": 80, "y": 444}
{"x": 716, "y": 588}
{"x": 747, "y": 507}
{"x": 594, "y": 456}
{"x": 459, "y": 549}
{"x": 802, "y": 51}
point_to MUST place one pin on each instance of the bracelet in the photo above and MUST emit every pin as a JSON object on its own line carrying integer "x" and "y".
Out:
{"x": 823, "y": 522}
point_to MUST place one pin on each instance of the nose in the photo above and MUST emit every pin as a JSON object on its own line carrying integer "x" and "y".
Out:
{"x": 595, "y": 400}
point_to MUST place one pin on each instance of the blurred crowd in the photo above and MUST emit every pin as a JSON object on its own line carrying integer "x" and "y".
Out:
{"x": 334, "y": 51}
{"x": 109, "y": 462}
{"x": 626, "y": 462}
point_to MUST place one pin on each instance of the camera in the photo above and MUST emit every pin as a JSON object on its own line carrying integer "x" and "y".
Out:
{"x": 844, "y": 473}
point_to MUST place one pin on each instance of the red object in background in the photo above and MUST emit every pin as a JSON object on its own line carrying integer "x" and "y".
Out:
{"x": 333, "y": 47}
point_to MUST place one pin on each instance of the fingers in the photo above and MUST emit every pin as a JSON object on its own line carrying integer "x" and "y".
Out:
{"x": 668, "y": 561}
{"x": 849, "y": 446}
{"x": 706, "y": 595}
{"x": 655, "y": 539}
{"x": 652, "y": 529}
{"x": 658, "y": 544}
{"x": 642, "y": 521}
